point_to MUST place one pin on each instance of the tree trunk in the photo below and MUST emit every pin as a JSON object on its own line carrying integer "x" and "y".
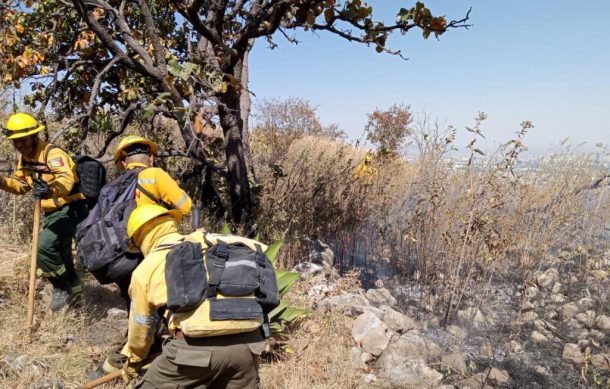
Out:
{"x": 229, "y": 112}
{"x": 244, "y": 104}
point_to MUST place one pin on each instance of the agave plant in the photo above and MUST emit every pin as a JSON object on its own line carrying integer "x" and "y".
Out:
{"x": 283, "y": 314}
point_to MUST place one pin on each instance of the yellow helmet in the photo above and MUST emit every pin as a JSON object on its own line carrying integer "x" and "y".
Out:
{"x": 368, "y": 157}
{"x": 20, "y": 125}
{"x": 132, "y": 140}
{"x": 142, "y": 215}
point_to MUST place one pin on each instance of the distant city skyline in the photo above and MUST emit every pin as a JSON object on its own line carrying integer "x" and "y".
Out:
{"x": 546, "y": 61}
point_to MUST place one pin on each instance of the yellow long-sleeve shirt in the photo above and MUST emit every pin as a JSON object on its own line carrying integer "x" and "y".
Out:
{"x": 163, "y": 187}
{"x": 148, "y": 290}
{"x": 61, "y": 176}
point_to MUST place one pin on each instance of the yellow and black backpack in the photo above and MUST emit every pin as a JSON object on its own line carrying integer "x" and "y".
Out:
{"x": 219, "y": 285}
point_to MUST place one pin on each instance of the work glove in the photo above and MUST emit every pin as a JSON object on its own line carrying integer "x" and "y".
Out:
{"x": 40, "y": 189}
{"x": 131, "y": 371}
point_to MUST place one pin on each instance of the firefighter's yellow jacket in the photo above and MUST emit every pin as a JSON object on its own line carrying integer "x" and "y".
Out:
{"x": 148, "y": 291}
{"x": 61, "y": 178}
{"x": 162, "y": 186}
{"x": 365, "y": 173}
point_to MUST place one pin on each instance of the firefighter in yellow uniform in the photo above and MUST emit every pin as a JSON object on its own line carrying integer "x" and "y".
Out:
{"x": 155, "y": 185}
{"x": 51, "y": 175}
{"x": 205, "y": 361}
{"x": 366, "y": 172}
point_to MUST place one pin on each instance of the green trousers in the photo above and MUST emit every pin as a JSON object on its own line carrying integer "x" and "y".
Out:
{"x": 55, "y": 246}
{"x": 222, "y": 362}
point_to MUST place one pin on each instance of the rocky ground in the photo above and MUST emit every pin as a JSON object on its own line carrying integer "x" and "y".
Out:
{"x": 552, "y": 331}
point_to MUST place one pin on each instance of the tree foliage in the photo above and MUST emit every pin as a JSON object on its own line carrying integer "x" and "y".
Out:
{"x": 389, "y": 129}
{"x": 136, "y": 59}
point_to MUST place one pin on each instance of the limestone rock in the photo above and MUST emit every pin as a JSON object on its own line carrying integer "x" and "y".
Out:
{"x": 364, "y": 324}
{"x": 569, "y": 310}
{"x": 307, "y": 268}
{"x": 355, "y": 357}
{"x": 514, "y": 348}
{"x": 456, "y": 361}
{"x": 498, "y": 376}
{"x": 486, "y": 350}
{"x": 341, "y": 302}
{"x": 538, "y": 337}
{"x": 471, "y": 316}
{"x": 457, "y": 331}
{"x": 527, "y": 306}
{"x": 601, "y": 361}
{"x": 357, "y": 310}
{"x": 529, "y": 316}
{"x": 571, "y": 352}
{"x": 547, "y": 278}
{"x": 375, "y": 342}
{"x": 407, "y": 372}
{"x": 380, "y": 296}
{"x": 397, "y": 321}
{"x": 321, "y": 254}
{"x": 603, "y": 323}
{"x": 116, "y": 313}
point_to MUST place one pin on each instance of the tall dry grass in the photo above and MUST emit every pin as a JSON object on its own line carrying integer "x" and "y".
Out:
{"x": 430, "y": 219}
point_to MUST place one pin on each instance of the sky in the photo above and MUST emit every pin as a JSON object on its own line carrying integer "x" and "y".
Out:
{"x": 547, "y": 61}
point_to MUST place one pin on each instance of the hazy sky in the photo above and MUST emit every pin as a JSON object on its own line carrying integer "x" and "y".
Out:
{"x": 547, "y": 61}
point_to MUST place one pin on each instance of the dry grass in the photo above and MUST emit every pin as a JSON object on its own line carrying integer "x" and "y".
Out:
{"x": 318, "y": 358}
{"x": 63, "y": 345}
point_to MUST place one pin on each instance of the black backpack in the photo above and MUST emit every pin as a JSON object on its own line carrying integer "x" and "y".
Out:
{"x": 92, "y": 177}
{"x": 91, "y": 174}
{"x": 101, "y": 244}
{"x": 244, "y": 279}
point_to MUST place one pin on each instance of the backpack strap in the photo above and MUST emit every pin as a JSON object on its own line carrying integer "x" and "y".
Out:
{"x": 216, "y": 266}
{"x": 150, "y": 195}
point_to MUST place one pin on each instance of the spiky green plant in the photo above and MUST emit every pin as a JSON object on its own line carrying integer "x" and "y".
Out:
{"x": 283, "y": 314}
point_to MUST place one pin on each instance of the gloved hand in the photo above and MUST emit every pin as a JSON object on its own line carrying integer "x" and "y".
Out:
{"x": 131, "y": 370}
{"x": 40, "y": 189}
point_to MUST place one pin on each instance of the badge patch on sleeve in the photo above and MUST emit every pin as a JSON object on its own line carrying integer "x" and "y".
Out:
{"x": 56, "y": 162}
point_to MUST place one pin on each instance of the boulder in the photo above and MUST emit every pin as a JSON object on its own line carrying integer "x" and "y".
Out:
{"x": 364, "y": 324}
{"x": 471, "y": 317}
{"x": 321, "y": 254}
{"x": 357, "y": 310}
{"x": 498, "y": 376}
{"x": 375, "y": 342}
{"x": 529, "y": 316}
{"x": 571, "y": 353}
{"x": 603, "y": 323}
{"x": 513, "y": 349}
{"x": 307, "y": 268}
{"x": 116, "y": 313}
{"x": 601, "y": 361}
{"x": 456, "y": 361}
{"x": 538, "y": 337}
{"x": 355, "y": 357}
{"x": 457, "y": 331}
{"x": 569, "y": 310}
{"x": 546, "y": 279}
{"x": 397, "y": 321}
{"x": 586, "y": 318}
{"x": 407, "y": 372}
{"x": 380, "y": 296}
{"x": 341, "y": 302}
{"x": 319, "y": 291}
{"x": 486, "y": 350}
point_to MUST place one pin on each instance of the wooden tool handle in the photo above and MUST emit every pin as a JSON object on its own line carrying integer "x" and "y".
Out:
{"x": 102, "y": 380}
{"x": 33, "y": 265}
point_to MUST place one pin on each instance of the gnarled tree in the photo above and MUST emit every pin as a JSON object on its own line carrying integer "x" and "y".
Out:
{"x": 176, "y": 58}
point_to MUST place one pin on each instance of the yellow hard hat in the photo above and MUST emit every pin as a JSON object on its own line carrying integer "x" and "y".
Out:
{"x": 132, "y": 140}
{"x": 20, "y": 125}
{"x": 142, "y": 215}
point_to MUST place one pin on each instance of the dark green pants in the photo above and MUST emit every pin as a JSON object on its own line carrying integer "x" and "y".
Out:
{"x": 223, "y": 362}
{"x": 55, "y": 246}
